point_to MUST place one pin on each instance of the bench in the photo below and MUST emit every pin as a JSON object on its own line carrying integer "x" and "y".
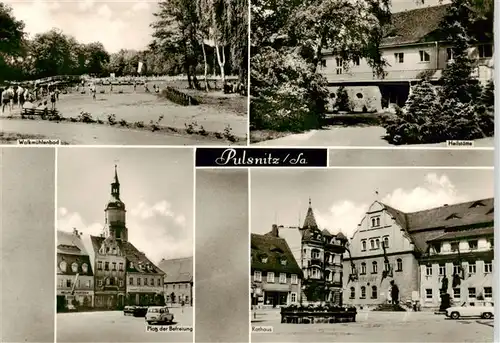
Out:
{"x": 38, "y": 112}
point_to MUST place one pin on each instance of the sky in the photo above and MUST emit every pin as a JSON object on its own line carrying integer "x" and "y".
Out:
{"x": 156, "y": 186}
{"x": 117, "y": 24}
{"x": 341, "y": 197}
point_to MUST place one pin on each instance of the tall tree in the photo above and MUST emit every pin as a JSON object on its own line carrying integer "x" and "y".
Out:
{"x": 11, "y": 40}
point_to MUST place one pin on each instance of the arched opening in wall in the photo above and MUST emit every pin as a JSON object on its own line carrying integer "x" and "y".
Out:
{"x": 359, "y": 95}
{"x": 332, "y": 95}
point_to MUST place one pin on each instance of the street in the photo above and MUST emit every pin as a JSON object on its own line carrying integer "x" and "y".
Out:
{"x": 113, "y": 326}
{"x": 377, "y": 327}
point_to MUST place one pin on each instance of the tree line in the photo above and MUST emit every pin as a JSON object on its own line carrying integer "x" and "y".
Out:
{"x": 189, "y": 37}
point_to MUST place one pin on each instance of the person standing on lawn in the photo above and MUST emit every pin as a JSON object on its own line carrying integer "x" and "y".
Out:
{"x": 20, "y": 96}
{"x": 52, "y": 95}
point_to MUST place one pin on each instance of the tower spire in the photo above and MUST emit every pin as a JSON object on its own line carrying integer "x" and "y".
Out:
{"x": 309, "y": 201}
{"x": 115, "y": 186}
{"x": 116, "y": 174}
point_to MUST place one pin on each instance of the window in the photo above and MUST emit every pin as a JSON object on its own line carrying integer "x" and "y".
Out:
{"x": 428, "y": 270}
{"x": 339, "y": 65}
{"x": 145, "y": 281}
{"x": 108, "y": 282}
{"x": 63, "y": 266}
{"x": 363, "y": 268}
{"x": 61, "y": 283}
{"x": 139, "y": 282}
{"x": 114, "y": 265}
{"x": 315, "y": 254}
{"x": 437, "y": 248}
{"x": 99, "y": 283}
{"x": 378, "y": 221}
{"x": 173, "y": 286}
{"x": 472, "y": 292}
{"x": 359, "y": 95}
{"x": 363, "y": 292}
{"x": 323, "y": 63}
{"x": 99, "y": 265}
{"x": 353, "y": 269}
{"x": 294, "y": 279}
{"x": 121, "y": 266}
{"x": 282, "y": 278}
{"x": 373, "y": 222}
{"x": 106, "y": 265}
{"x": 293, "y": 297}
{"x": 374, "y": 267}
{"x": 473, "y": 244}
{"x": 159, "y": 283}
{"x": 488, "y": 267}
{"x": 442, "y": 269}
{"x": 315, "y": 273}
{"x": 449, "y": 54}
{"x": 456, "y": 268}
{"x": 283, "y": 262}
{"x": 89, "y": 284}
{"x": 74, "y": 267}
{"x": 114, "y": 251}
{"x": 424, "y": 56}
{"x": 454, "y": 246}
{"x": 399, "y": 265}
{"x": 121, "y": 283}
{"x": 399, "y": 57}
{"x": 353, "y": 293}
{"x": 68, "y": 282}
{"x": 386, "y": 242}
{"x": 372, "y": 243}
{"x": 131, "y": 281}
{"x": 472, "y": 268}
{"x": 363, "y": 245}
{"x": 485, "y": 50}
{"x": 270, "y": 277}
{"x": 85, "y": 268}
{"x": 186, "y": 298}
{"x": 257, "y": 275}
{"x": 152, "y": 283}
{"x": 374, "y": 292}
{"x": 456, "y": 293}
{"x": 387, "y": 266}
{"x": 264, "y": 259}
{"x": 377, "y": 243}
{"x": 488, "y": 292}
{"x": 428, "y": 293}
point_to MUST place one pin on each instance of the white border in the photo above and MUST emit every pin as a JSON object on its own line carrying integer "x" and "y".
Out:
{"x": 248, "y": 69}
{"x": 56, "y": 161}
{"x": 249, "y": 174}
{"x": 193, "y": 290}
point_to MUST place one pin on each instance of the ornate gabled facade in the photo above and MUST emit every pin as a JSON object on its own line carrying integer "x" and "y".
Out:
{"x": 321, "y": 262}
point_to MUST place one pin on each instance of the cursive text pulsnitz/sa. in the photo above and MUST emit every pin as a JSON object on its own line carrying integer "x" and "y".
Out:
{"x": 242, "y": 157}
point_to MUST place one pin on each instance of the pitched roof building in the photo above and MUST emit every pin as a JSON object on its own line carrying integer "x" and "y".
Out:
{"x": 178, "y": 280}
{"x": 408, "y": 246}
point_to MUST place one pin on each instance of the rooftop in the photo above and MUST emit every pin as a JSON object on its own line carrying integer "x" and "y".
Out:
{"x": 277, "y": 252}
{"x": 177, "y": 270}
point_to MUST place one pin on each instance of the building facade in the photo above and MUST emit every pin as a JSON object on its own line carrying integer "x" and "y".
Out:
{"x": 276, "y": 276}
{"x": 417, "y": 250}
{"x": 178, "y": 280}
{"x": 75, "y": 278}
{"x": 123, "y": 274}
{"x": 321, "y": 262}
{"x": 412, "y": 49}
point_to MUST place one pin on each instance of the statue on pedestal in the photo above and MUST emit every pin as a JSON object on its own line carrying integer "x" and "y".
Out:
{"x": 394, "y": 293}
{"x": 445, "y": 297}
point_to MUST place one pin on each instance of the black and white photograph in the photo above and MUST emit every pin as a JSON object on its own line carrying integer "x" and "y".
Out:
{"x": 104, "y": 72}
{"x": 372, "y": 255}
{"x": 125, "y": 245}
{"x": 372, "y": 73}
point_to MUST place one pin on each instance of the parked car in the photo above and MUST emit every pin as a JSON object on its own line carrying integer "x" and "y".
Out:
{"x": 471, "y": 309}
{"x": 159, "y": 314}
{"x": 128, "y": 310}
{"x": 140, "y": 311}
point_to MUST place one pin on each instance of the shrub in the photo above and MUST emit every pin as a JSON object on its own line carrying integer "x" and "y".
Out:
{"x": 123, "y": 122}
{"x": 228, "y": 134}
{"x": 343, "y": 103}
{"x": 111, "y": 119}
{"x": 139, "y": 124}
{"x": 85, "y": 117}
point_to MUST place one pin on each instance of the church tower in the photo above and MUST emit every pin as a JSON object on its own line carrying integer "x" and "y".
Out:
{"x": 115, "y": 225}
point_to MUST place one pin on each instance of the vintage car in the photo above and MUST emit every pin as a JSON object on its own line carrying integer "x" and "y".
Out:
{"x": 471, "y": 309}
{"x": 159, "y": 314}
{"x": 140, "y": 311}
{"x": 128, "y": 310}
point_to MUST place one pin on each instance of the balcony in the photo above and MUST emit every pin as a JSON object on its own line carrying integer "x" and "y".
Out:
{"x": 315, "y": 262}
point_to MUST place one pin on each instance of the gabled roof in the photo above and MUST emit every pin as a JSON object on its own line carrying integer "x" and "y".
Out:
{"x": 448, "y": 236}
{"x": 414, "y": 26}
{"x": 310, "y": 220}
{"x": 427, "y": 225}
{"x": 178, "y": 270}
{"x": 69, "y": 243}
{"x": 276, "y": 250}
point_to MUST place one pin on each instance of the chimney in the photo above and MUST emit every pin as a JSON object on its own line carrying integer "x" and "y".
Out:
{"x": 274, "y": 231}
{"x": 75, "y": 232}
{"x": 445, "y": 205}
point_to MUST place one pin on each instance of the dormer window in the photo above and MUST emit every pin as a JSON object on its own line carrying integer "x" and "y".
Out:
{"x": 74, "y": 267}
{"x": 437, "y": 248}
{"x": 283, "y": 262}
{"x": 473, "y": 244}
{"x": 85, "y": 268}
{"x": 131, "y": 265}
{"x": 477, "y": 204}
{"x": 453, "y": 216}
{"x": 264, "y": 259}
{"x": 63, "y": 266}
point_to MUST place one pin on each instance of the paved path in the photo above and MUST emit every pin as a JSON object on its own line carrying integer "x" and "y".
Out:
{"x": 378, "y": 327}
{"x": 115, "y": 327}
{"x": 95, "y": 134}
{"x": 370, "y": 136}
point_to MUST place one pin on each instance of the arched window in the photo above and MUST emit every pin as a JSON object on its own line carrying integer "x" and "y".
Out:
{"x": 373, "y": 222}
{"x": 363, "y": 268}
{"x": 378, "y": 221}
{"x": 387, "y": 266}
{"x": 363, "y": 292}
{"x": 315, "y": 253}
{"x": 386, "y": 242}
{"x": 353, "y": 293}
{"x": 63, "y": 266}
{"x": 74, "y": 267}
{"x": 374, "y": 267}
{"x": 363, "y": 245}
{"x": 85, "y": 268}
{"x": 353, "y": 269}
{"x": 399, "y": 265}
{"x": 107, "y": 282}
{"x": 372, "y": 243}
{"x": 377, "y": 242}
{"x": 374, "y": 292}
